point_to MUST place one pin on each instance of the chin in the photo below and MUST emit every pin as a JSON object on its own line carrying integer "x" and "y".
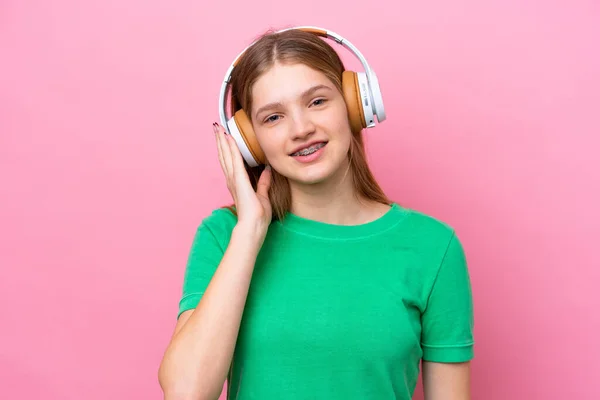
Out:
{"x": 311, "y": 179}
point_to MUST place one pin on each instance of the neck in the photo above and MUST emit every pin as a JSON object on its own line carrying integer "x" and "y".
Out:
{"x": 334, "y": 201}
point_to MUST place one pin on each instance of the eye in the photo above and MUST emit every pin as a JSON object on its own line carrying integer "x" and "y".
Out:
{"x": 318, "y": 102}
{"x": 271, "y": 118}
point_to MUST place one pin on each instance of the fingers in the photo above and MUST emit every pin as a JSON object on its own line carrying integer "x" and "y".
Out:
{"x": 219, "y": 148}
{"x": 238, "y": 161}
{"x": 224, "y": 149}
{"x": 233, "y": 157}
{"x": 264, "y": 182}
{"x": 232, "y": 163}
{"x": 236, "y": 157}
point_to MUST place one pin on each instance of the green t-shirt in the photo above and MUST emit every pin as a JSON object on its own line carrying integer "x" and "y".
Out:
{"x": 342, "y": 312}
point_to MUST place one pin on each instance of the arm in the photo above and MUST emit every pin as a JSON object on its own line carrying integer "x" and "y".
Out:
{"x": 197, "y": 360}
{"x": 447, "y": 336}
{"x": 447, "y": 381}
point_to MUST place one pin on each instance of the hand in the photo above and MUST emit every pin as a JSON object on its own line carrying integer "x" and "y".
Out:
{"x": 253, "y": 208}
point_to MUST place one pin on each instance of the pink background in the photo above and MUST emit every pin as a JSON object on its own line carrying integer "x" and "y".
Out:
{"x": 108, "y": 163}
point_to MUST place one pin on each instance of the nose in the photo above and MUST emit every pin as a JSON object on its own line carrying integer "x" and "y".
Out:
{"x": 302, "y": 126}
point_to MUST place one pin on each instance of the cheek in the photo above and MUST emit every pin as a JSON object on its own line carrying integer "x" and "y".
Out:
{"x": 270, "y": 144}
{"x": 337, "y": 121}
{"x": 343, "y": 133}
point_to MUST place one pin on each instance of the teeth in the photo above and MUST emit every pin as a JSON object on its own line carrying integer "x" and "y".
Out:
{"x": 309, "y": 150}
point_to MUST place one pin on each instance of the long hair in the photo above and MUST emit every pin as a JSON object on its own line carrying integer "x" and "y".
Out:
{"x": 296, "y": 46}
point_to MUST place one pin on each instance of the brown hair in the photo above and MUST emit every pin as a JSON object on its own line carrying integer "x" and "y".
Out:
{"x": 296, "y": 46}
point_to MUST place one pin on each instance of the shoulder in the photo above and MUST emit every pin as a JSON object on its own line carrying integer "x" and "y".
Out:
{"x": 440, "y": 253}
{"x": 219, "y": 223}
{"x": 429, "y": 236}
{"x": 222, "y": 216}
{"x": 428, "y": 227}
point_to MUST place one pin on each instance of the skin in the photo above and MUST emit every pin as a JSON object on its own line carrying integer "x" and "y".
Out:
{"x": 197, "y": 359}
{"x": 294, "y": 105}
{"x": 305, "y": 107}
{"x": 446, "y": 381}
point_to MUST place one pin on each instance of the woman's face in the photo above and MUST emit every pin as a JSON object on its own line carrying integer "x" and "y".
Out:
{"x": 301, "y": 123}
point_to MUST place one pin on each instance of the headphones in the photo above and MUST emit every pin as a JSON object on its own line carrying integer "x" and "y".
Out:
{"x": 360, "y": 90}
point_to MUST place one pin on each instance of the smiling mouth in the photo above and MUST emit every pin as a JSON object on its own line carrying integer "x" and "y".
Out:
{"x": 309, "y": 150}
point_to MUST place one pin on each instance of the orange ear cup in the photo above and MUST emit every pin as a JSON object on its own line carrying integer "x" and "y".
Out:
{"x": 353, "y": 102}
{"x": 351, "y": 95}
{"x": 245, "y": 127}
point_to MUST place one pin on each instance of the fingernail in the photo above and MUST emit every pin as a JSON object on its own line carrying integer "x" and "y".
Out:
{"x": 268, "y": 167}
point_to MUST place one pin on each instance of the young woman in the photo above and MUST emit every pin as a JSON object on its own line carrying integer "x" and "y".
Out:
{"x": 314, "y": 285}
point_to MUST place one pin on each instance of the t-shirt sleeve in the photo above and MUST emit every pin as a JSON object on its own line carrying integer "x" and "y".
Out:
{"x": 447, "y": 321}
{"x": 206, "y": 252}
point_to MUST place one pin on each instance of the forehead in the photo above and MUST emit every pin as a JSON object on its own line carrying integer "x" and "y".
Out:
{"x": 285, "y": 82}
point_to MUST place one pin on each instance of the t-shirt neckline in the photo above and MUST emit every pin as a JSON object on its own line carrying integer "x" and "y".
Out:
{"x": 315, "y": 228}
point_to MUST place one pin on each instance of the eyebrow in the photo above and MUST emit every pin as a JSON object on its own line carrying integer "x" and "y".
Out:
{"x": 306, "y": 93}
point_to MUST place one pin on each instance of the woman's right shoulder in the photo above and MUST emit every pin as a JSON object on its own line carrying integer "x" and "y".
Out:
{"x": 220, "y": 221}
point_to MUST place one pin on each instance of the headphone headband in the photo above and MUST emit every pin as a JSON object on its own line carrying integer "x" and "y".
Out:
{"x": 371, "y": 77}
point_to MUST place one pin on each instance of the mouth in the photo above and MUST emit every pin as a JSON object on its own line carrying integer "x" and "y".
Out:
{"x": 309, "y": 150}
